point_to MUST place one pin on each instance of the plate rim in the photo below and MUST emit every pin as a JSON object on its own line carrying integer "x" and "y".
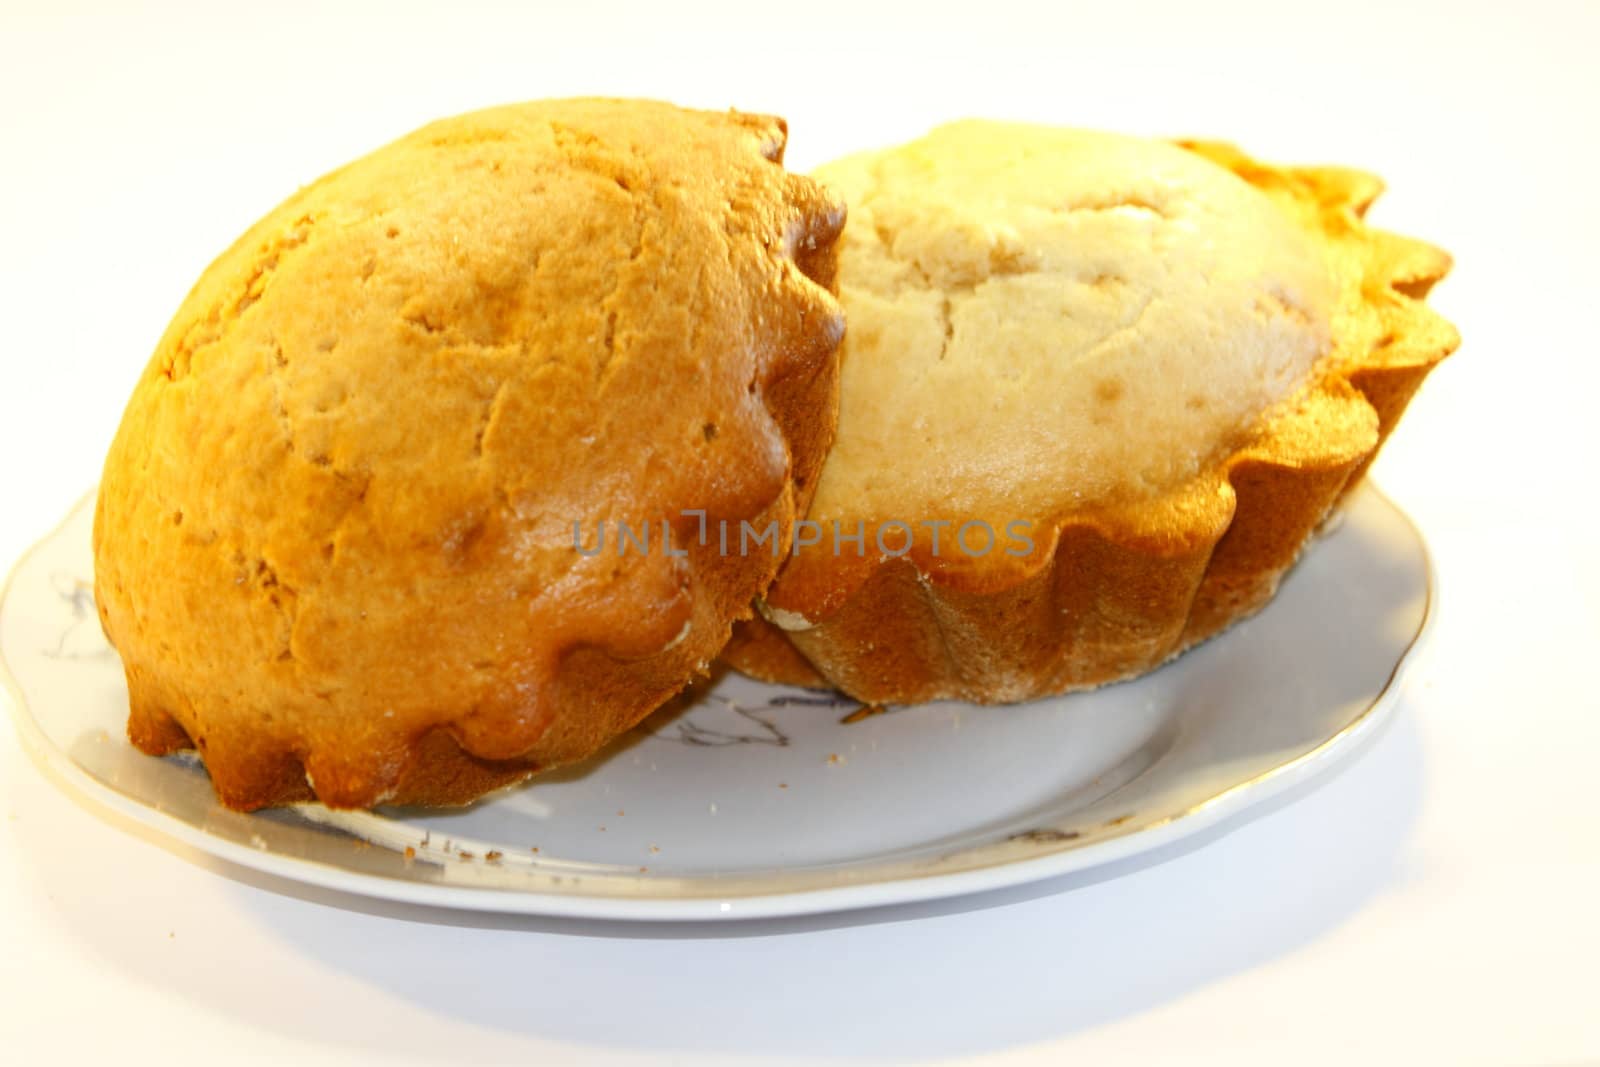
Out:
{"x": 904, "y": 889}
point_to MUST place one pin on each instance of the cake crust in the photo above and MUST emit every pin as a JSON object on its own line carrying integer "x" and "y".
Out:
{"x": 335, "y": 539}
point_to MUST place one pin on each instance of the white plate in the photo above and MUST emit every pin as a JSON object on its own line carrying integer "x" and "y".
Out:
{"x": 759, "y": 801}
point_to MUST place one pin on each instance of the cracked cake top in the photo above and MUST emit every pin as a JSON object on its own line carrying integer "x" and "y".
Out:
{"x": 1043, "y": 318}
{"x": 334, "y": 541}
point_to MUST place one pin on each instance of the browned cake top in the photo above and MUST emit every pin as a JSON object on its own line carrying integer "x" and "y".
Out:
{"x": 341, "y": 502}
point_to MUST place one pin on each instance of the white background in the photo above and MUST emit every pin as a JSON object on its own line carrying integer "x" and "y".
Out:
{"x": 1434, "y": 902}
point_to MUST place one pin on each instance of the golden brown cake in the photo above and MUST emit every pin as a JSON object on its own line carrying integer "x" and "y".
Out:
{"x": 335, "y": 540}
{"x": 1098, "y": 392}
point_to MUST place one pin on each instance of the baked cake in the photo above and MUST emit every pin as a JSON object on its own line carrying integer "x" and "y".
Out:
{"x": 335, "y": 539}
{"x": 1123, "y": 380}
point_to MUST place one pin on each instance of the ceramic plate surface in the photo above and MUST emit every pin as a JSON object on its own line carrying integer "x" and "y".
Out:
{"x": 753, "y": 800}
